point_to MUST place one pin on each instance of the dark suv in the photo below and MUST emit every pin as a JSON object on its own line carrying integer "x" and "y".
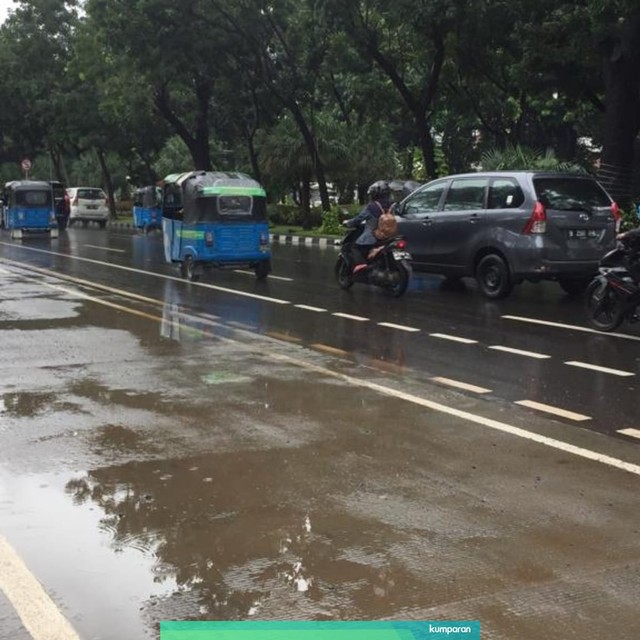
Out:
{"x": 506, "y": 227}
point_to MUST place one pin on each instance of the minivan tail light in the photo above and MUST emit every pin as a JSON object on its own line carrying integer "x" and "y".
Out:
{"x": 617, "y": 216}
{"x": 75, "y": 201}
{"x": 537, "y": 223}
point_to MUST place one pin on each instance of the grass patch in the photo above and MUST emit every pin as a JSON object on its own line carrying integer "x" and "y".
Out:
{"x": 292, "y": 230}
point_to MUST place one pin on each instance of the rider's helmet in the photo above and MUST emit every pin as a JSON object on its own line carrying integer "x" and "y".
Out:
{"x": 379, "y": 190}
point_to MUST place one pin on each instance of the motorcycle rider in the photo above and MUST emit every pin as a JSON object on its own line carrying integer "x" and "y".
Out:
{"x": 379, "y": 200}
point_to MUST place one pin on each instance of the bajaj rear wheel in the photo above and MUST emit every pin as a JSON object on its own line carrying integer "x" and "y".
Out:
{"x": 188, "y": 269}
{"x": 605, "y": 310}
{"x": 262, "y": 269}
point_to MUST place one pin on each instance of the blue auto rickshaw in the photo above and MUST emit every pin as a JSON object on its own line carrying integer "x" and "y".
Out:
{"x": 147, "y": 214}
{"x": 29, "y": 206}
{"x": 215, "y": 219}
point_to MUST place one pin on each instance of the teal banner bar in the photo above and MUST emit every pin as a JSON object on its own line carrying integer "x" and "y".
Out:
{"x": 382, "y": 630}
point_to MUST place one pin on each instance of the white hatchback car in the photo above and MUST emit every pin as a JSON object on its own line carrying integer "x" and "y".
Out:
{"x": 88, "y": 204}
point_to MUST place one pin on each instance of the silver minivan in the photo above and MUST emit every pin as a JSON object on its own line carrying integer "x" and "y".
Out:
{"x": 505, "y": 227}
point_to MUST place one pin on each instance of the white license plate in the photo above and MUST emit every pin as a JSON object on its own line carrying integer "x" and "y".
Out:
{"x": 402, "y": 255}
{"x": 92, "y": 206}
{"x": 584, "y": 234}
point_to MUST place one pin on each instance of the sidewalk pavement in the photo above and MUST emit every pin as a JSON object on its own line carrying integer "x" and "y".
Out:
{"x": 278, "y": 238}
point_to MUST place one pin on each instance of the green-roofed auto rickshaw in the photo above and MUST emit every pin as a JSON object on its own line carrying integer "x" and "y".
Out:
{"x": 215, "y": 219}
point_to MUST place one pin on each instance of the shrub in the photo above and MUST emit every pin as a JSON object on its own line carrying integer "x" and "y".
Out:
{"x": 332, "y": 221}
{"x": 629, "y": 219}
{"x": 283, "y": 214}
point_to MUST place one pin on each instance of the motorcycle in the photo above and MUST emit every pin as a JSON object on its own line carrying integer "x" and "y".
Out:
{"x": 614, "y": 295}
{"x": 389, "y": 265}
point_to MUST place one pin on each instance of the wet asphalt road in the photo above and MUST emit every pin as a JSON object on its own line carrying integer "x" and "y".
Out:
{"x": 235, "y": 450}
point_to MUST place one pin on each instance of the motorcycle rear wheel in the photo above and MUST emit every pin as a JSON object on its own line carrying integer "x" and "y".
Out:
{"x": 343, "y": 274}
{"x": 605, "y": 310}
{"x": 401, "y": 286}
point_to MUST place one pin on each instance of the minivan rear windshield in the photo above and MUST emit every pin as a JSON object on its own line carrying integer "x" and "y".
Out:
{"x": 91, "y": 194}
{"x": 570, "y": 194}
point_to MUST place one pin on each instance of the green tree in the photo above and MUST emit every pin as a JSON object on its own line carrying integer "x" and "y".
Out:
{"x": 34, "y": 50}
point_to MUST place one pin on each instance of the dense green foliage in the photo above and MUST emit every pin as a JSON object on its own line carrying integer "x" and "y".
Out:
{"x": 314, "y": 95}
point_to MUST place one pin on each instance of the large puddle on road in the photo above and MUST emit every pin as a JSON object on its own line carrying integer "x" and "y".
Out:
{"x": 144, "y": 479}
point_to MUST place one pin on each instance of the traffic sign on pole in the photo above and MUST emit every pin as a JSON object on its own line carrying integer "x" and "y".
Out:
{"x": 26, "y": 165}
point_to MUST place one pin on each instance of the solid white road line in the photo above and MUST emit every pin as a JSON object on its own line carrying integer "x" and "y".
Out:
{"x": 400, "y": 327}
{"x": 595, "y": 367}
{"x": 308, "y": 308}
{"x": 556, "y": 411}
{"x": 634, "y": 433}
{"x": 350, "y": 317}
{"x": 461, "y": 385}
{"x": 573, "y": 327}
{"x": 445, "y": 336}
{"x": 470, "y": 417}
{"x": 38, "y": 613}
{"x": 520, "y": 352}
{"x": 153, "y": 274}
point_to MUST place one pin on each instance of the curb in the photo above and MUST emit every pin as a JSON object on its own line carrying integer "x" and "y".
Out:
{"x": 279, "y": 238}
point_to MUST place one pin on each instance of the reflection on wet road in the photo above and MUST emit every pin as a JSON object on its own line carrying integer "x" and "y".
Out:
{"x": 172, "y": 451}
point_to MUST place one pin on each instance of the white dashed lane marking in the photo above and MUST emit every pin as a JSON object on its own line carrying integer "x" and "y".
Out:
{"x": 445, "y": 336}
{"x": 399, "y": 327}
{"x": 520, "y": 352}
{"x": 350, "y": 317}
{"x": 461, "y": 385}
{"x": 634, "y": 433}
{"x": 95, "y": 246}
{"x": 594, "y": 367}
{"x": 572, "y": 327}
{"x": 306, "y": 307}
{"x": 557, "y": 411}
{"x": 270, "y": 276}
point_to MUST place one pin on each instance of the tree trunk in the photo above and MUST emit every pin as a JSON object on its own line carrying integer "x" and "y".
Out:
{"x": 426, "y": 146}
{"x": 305, "y": 201}
{"x": 312, "y": 147}
{"x": 106, "y": 175}
{"x": 198, "y": 142}
{"x": 622, "y": 110}
{"x": 253, "y": 156}
{"x": 407, "y": 165}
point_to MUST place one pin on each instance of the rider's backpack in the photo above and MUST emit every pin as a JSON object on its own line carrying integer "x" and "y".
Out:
{"x": 387, "y": 225}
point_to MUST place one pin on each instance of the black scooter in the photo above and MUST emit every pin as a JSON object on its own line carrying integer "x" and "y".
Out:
{"x": 614, "y": 295}
{"x": 389, "y": 268}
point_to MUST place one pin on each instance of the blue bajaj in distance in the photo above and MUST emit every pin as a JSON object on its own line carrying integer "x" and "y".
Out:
{"x": 29, "y": 206}
{"x": 215, "y": 219}
{"x": 147, "y": 213}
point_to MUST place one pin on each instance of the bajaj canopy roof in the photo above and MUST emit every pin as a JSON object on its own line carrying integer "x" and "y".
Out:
{"x": 197, "y": 184}
{"x": 28, "y": 185}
